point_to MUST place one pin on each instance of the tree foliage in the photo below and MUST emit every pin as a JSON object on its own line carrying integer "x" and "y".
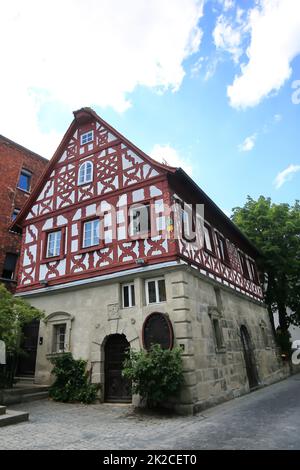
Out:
{"x": 156, "y": 374}
{"x": 71, "y": 380}
{"x": 275, "y": 230}
{"x": 15, "y": 312}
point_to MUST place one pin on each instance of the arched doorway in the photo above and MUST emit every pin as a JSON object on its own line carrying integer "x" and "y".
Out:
{"x": 249, "y": 358}
{"x": 117, "y": 388}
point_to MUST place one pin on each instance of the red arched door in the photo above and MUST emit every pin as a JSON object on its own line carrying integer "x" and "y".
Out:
{"x": 117, "y": 388}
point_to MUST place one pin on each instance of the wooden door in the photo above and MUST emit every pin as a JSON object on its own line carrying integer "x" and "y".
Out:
{"x": 26, "y": 362}
{"x": 249, "y": 358}
{"x": 117, "y": 388}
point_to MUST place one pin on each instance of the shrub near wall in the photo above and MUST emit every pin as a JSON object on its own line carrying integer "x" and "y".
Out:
{"x": 72, "y": 380}
{"x": 156, "y": 374}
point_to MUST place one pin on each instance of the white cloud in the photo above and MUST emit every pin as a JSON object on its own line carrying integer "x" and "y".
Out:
{"x": 88, "y": 52}
{"x": 286, "y": 175}
{"x": 248, "y": 143}
{"x": 228, "y": 38}
{"x": 169, "y": 155}
{"x": 275, "y": 41}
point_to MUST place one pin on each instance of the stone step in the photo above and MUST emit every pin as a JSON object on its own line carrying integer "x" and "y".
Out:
{"x": 19, "y": 394}
{"x": 2, "y": 410}
{"x": 35, "y": 396}
{"x": 13, "y": 417}
{"x": 25, "y": 379}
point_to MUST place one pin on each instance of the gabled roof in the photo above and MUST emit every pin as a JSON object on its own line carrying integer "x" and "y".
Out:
{"x": 81, "y": 116}
{"x": 85, "y": 115}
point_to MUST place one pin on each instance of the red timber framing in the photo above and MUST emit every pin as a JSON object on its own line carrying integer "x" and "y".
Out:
{"x": 123, "y": 176}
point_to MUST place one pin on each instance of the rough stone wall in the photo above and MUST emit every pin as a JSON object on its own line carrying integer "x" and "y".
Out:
{"x": 12, "y": 159}
{"x": 93, "y": 313}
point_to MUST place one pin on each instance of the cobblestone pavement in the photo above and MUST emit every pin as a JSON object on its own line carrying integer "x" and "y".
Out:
{"x": 266, "y": 419}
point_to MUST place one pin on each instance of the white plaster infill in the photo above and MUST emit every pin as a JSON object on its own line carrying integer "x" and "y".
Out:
{"x": 105, "y": 277}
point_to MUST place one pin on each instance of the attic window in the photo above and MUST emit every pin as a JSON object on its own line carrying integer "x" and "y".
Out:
{"x": 86, "y": 137}
{"x": 85, "y": 174}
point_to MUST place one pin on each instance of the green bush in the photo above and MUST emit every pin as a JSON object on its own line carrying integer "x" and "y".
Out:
{"x": 156, "y": 375}
{"x": 72, "y": 381}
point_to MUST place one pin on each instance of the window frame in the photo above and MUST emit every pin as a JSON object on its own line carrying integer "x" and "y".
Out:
{"x": 157, "y": 301}
{"x": 140, "y": 235}
{"x": 130, "y": 285}
{"x": 13, "y": 276}
{"x": 28, "y": 174}
{"x": 55, "y": 233}
{"x": 225, "y": 259}
{"x": 84, "y": 164}
{"x": 45, "y": 258}
{"x": 101, "y": 244}
{"x": 55, "y": 341}
{"x": 211, "y": 237}
{"x": 84, "y": 134}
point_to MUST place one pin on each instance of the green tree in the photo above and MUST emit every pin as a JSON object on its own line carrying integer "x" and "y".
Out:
{"x": 275, "y": 230}
{"x": 156, "y": 375}
{"x": 15, "y": 312}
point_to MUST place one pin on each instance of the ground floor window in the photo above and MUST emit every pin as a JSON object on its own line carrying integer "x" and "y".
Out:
{"x": 155, "y": 291}
{"x": 128, "y": 295}
{"x": 59, "y": 338}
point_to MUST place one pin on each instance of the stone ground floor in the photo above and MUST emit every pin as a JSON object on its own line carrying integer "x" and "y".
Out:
{"x": 268, "y": 418}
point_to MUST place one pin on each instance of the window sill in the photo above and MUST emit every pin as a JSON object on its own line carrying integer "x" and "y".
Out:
{"x": 156, "y": 303}
{"x": 7, "y": 279}
{"x": 55, "y": 354}
{"x": 24, "y": 190}
{"x": 209, "y": 252}
{"x": 51, "y": 259}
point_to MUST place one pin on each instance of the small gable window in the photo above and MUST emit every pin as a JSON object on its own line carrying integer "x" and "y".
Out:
{"x": 139, "y": 221}
{"x": 53, "y": 244}
{"x": 86, "y": 137}
{"x": 85, "y": 174}
{"x": 223, "y": 249}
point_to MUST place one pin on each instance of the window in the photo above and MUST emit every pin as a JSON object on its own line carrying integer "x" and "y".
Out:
{"x": 9, "y": 267}
{"x": 24, "y": 180}
{"x": 59, "y": 338}
{"x": 90, "y": 233}
{"x": 217, "y": 333}
{"x": 128, "y": 295}
{"x": 155, "y": 291}
{"x": 15, "y": 213}
{"x": 223, "y": 249}
{"x": 208, "y": 239}
{"x": 86, "y": 137}
{"x": 85, "y": 174}
{"x": 53, "y": 244}
{"x": 244, "y": 265}
{"x": 139, "y": 221}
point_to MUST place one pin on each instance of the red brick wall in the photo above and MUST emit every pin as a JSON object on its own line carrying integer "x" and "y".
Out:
{"x": 12, "y": 159}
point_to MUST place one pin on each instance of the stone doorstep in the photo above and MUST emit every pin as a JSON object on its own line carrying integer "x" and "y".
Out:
{"x": 2, "y": 410}
{"x": 22, "y": 394}
{"x": 13, "y": 417}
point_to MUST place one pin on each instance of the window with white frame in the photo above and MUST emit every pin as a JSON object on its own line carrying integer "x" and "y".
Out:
{"x": 139, "y": 220}
{"x": 91, "y": 235}
{"x": 85, "y": 173}
{"x": 155, "y": 291}
{"x": 128, "y": 295}
{"x": 86, "y": 137}
{"x": 53, "y": 244}
{"x": 59, "y": 338}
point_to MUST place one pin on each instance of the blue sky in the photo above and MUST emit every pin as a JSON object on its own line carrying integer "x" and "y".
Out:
{"x": 172, "y": 98}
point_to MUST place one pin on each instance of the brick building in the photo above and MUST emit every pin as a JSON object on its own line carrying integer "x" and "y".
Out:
{"x": 20, "y": 169}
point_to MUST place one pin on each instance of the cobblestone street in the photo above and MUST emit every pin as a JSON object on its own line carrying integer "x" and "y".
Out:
{"x": 266, "y": 419}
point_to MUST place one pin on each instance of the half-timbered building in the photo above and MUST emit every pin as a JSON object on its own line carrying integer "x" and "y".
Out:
{"x": 112, "y": 251}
